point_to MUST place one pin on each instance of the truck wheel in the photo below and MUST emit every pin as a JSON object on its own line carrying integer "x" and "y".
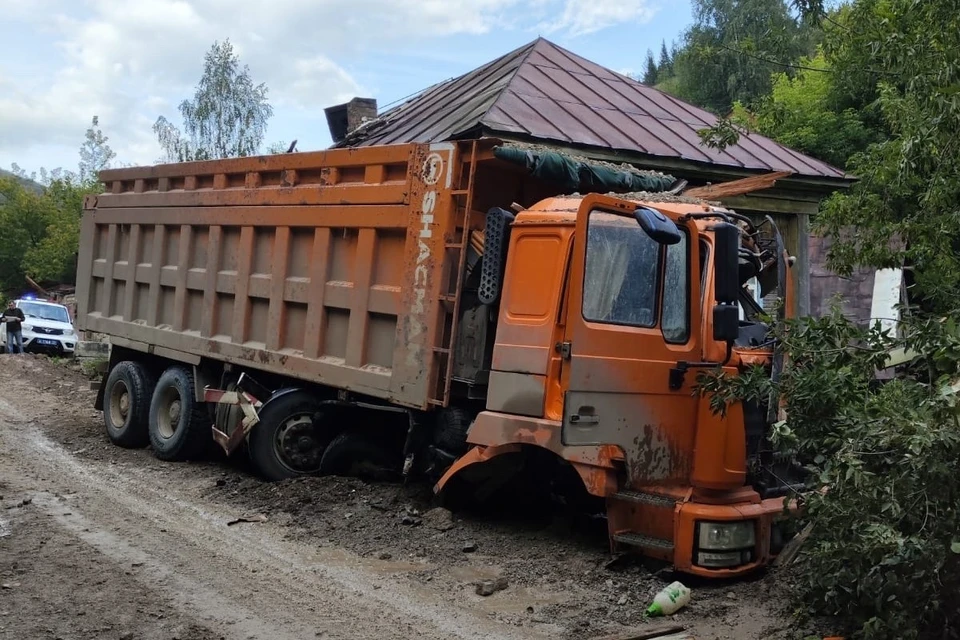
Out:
{"x": 288, "y": 441}
{"x": 360, "y": 453}
{"x": 178, "y": 425}
{"x": 452, "y": 426}
{"x": 126, "y": 405}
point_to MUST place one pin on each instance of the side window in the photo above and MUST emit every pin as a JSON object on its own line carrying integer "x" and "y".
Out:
{"x": 675, "y": 321}
{"x": 622, "y": 265}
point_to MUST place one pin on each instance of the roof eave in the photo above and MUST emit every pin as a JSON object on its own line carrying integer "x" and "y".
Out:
{"x": 706, "y": 170}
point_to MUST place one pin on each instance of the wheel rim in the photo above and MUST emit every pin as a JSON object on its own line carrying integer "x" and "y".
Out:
{"x": 119, "y": 404}
{"x": 168, "y": 412}
{"x": 297, "y": 444}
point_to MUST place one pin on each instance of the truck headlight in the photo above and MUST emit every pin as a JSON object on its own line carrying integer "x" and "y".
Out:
{"x": 726, "y": 536}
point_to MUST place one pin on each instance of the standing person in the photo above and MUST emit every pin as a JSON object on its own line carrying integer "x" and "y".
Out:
{"x": 12, "y": 317}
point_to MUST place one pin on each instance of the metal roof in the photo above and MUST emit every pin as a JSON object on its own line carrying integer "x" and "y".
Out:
{"x": 544, "y": 92}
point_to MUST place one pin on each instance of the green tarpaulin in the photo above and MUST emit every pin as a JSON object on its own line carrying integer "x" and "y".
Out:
{"x": 583, "y": 177}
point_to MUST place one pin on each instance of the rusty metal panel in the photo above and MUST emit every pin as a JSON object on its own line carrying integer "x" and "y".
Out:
{"x": 548, "y": 93}
{"x": 340, "y": 285}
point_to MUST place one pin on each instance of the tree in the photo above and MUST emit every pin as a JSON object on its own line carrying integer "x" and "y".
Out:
{"x": 24, "y": 218}
{"x": 883, "y": 555}
{"x": 803, "y": 113}
{"x": 733, "y": 49}
{"x": 227, "y": 116}
{"x": 650, "y": 72}
{"x": 665, "y": 64}
{"x": 41, "y": 220}
{"x": 909, "y": 185}
{"x": 95, "y": 154}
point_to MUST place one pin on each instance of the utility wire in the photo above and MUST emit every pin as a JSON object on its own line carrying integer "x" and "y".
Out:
{"x": 788, "y": 65}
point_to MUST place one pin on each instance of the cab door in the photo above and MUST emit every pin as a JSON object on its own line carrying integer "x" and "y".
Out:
{"x": 633, "y": 315}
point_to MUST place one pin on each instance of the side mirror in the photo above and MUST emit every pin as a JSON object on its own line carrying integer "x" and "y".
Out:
{"x": 726, "y": 263}
{"x": 662, "y": 229}
{"x": 726, "y": 322}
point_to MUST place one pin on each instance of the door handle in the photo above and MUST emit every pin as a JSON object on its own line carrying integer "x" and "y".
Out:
{"x": 587, "y": 419}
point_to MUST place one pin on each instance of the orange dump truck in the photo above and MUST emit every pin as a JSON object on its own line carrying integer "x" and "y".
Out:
{"x": 433, "y": 309}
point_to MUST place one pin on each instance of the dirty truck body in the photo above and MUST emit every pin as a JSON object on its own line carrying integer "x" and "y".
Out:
{"x": 431, "y": 309}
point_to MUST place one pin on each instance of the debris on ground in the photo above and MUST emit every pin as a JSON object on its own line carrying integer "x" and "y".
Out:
{"x": 254, "y": 518}
{"x": 440, "y": 519}
{"x": 791, "y": 550}
{"x": 489, "y": 587}
{"x": 23, "y": 503}
{"x": 671, "y": 599}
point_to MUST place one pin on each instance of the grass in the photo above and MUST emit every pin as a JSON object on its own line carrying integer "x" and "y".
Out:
{"x": 94, "y": 367}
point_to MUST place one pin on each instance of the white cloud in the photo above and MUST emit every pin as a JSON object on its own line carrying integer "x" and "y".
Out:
{"x": 129, "y": 62}
{"x": 582, "y": 17}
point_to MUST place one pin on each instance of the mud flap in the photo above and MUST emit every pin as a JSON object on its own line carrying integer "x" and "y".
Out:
{"x": 250, "y": 407}
{"x": 479, "y": 473}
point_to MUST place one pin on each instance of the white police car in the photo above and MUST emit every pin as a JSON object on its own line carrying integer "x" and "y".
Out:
{"x": 47, "y": 328}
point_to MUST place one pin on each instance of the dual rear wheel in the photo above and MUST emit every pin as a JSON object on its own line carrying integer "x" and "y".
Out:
{"x": 296, "y": 434}
{"x": 141, "y": 409}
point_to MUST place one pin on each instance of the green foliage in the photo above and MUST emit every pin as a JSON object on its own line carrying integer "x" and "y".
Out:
{"x": 802, "y": 113}
{"x": 227, "y": 116}
{"x": 733, "y": 49}
{"x": 882, "y": 557}
{"x": 277, "y": 148}
{"x": 95, "y": 154}
{"x": 665, "y": 62}
{"x": 41, "y": 231}
{"x": 650, "y": 72}
{"x": 905, "y": 205}
{"x": 93, "y": 368}
{"x": 725, "y": 132}
{"x": 24, "y": 218}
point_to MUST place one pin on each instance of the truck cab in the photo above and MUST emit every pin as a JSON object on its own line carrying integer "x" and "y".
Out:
{"x": 601, "y": 332}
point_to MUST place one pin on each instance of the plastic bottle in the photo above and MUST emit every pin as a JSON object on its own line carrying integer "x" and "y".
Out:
{"x": 671, "y": 599}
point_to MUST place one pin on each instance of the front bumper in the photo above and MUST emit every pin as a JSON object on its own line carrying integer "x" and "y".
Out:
{"x": 764, "y": 514}
{"x": 45, "y": 343}
{"x": 662, "y": 522}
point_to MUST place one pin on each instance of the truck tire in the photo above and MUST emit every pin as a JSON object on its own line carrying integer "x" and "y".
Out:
{"x": 451, "y": 433}
{"x": 289, "y": 441}
{"x": 126, "y": 407}
{"x": 179, "y": 427}
{"x": 360, "y": 453}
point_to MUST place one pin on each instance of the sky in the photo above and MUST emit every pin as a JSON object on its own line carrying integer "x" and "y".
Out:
{"x": 129, "y": 61}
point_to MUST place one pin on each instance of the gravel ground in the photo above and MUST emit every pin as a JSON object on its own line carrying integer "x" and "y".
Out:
{"x": 375, "y": 547}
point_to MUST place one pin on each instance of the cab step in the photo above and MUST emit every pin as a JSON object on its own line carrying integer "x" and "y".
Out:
{"x": 638, "y": 497}
{"x": 634, "y": 539}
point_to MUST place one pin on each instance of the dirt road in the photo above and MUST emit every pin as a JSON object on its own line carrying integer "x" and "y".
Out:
{"x": 101, "y": 542}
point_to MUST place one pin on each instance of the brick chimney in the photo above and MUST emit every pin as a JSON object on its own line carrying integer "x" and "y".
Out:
{"x": 344, "y": 118}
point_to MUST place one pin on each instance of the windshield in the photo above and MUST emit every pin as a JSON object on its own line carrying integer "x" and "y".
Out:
{"x": 45, "y": 311}
{"x": 620, "y": 283}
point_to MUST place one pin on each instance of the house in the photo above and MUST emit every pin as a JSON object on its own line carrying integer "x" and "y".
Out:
{"x": 546, "y": 95}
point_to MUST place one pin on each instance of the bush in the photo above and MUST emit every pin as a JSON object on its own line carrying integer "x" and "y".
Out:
{"x": 94, "y": 368}
{"x": 884, "y": 553}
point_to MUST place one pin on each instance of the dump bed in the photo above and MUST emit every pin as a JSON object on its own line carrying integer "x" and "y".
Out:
{"x": 338, "y": 267}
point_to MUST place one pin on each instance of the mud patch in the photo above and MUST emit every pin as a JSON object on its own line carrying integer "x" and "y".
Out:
{"x": 561, "y": 581}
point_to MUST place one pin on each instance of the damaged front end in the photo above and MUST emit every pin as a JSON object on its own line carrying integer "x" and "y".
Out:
{"x": 766, "y": 299}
